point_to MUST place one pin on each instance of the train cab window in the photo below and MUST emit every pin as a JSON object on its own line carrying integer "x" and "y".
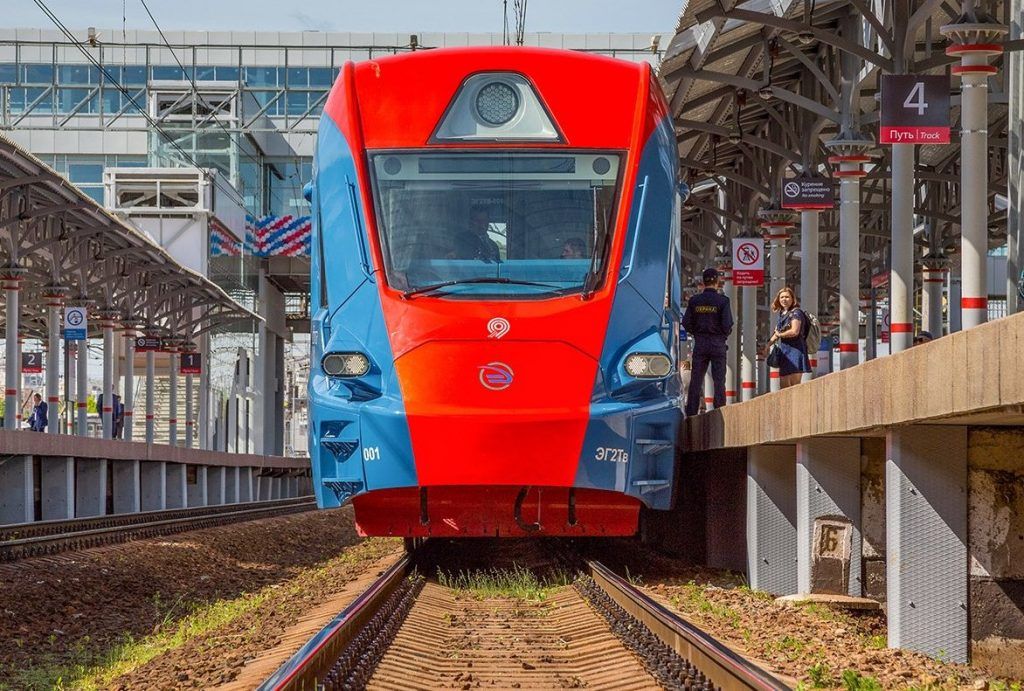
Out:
{"x": 495, "y": 224}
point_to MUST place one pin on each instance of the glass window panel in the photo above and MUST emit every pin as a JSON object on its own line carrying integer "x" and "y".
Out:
{"x": 67, "y": 99}
{"x": 16, "y": 100}
{"x": 73, "y": 75}
{"x": 128, "y": 161}
{"x": 8, "y": 74}
{"x": 205, "y": 73}
{"x": 168, "y": 72}
{"x": 322, "y": 76}
{"x": 95, "y": 192}
{"x": 298, "y": 76}
{"x": 298, "y": 102}
{"x": 261, "y": 76}
{"x": 226, "y": 74}
{"x": 43, "y": 107}
{"x": 112, "y": 100}
{"x": 85, "y": 172}
{"x": 38, "y": 74}
{"x": 133, "y": 74}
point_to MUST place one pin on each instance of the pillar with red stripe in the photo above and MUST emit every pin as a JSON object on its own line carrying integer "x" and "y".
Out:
{"x": 150, "y": 379}
{"x": 933, "y": 278}
{"x": 172, "y": 373}
{"x": 809, "y": 273}
{"x": 11, "y": 277}
{"x": 974, "y": 40}
{"x": 848, "y": 159}
{"x": 776, "y": 226}
{"x": 54, "y": 296}
{"x": 729, "y": 290}
{"x": 109, "y": 318}
{"x": 189, "y": 347}
{"x": 130, "y": 326}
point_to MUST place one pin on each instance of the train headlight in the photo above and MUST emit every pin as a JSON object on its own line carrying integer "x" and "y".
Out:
{"x": 497, "y": 103}
{"x": 345, "y": 364}
{"x": 648, "y": 365}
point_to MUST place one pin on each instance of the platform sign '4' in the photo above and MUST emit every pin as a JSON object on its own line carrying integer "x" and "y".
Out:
{"x": 915, "y": 109}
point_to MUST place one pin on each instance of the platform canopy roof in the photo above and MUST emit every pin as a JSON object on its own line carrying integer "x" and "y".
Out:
{"x": 758, "y": 88}
{"x": 59, "y": 241}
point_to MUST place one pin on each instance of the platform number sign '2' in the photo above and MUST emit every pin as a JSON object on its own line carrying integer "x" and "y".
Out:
{"x": 915, "y": 109}
{"x": 32, "y": 362}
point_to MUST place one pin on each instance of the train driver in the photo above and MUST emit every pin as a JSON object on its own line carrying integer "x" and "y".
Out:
{"x": 574, "y": 248}
{"x": 474, "y": 243}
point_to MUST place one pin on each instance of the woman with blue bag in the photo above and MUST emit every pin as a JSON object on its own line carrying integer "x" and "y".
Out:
{"x": 787, "y": 348}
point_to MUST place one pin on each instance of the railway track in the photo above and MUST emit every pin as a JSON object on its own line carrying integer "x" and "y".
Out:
{"x": 52, "y": 537}
{"x": 406, "y": 633}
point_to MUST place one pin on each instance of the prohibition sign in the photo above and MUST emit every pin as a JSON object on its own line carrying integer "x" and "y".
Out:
{"x": 748, "y": 254}
{"x": 791, "y": 189}
{"x": 74, "y": 317}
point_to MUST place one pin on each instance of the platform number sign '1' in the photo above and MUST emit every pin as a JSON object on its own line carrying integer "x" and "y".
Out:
{"x": 915, "y": 109}
{"x": 191, "y": 363}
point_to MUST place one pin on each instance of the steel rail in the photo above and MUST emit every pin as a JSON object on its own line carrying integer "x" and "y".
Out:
{"x": 131, "y": 528}
{"x": 303, "y": 670}
{"x": 726, "y": 669}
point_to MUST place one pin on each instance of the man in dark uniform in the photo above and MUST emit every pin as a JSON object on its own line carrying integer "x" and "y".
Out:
{"x": 709, "y": 318}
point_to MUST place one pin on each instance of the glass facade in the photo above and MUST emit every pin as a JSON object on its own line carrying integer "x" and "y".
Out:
{"x": 87, "y": 171}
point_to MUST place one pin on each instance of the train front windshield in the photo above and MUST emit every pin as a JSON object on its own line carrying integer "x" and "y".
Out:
{"x": 495, "y": 224}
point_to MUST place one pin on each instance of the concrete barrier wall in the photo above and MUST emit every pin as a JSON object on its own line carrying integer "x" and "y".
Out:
{"x": 971, "y": 377}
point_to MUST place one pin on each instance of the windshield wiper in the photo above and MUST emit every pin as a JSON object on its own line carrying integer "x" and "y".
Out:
{"x": 593, "y": 273}
{"x": 466, "y": 281}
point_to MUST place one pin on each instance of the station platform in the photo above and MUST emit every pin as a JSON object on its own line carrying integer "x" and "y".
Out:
{"x": 901, "y": 479}
{"x": 53, "y": 477}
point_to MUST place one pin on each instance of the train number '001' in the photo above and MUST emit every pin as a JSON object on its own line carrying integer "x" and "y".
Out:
{"x": 371, "y": 453}
{"x": 611, "y": 454}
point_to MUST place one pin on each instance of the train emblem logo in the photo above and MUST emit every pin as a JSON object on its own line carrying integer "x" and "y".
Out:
{"x": 498, "y": 327}
{"x": 496, "y": 376}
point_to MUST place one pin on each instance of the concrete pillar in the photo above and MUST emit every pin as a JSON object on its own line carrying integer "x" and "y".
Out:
{"x": 177, "y": 486}
{"x": 150, "y": 403}
{"x": 231, "y": 489}
{"x": 107, "y": 325}
{"x": 954, "y": 294}
{"x": 57, "y": 487}
{"x": 926, "y": 540}
{"x": 216, "y": 484}
{"x": 245, "y": 484}
{"x": 1015, "y": 169}
{"x": 11, "y": 278}
{"x": 129, "y": 382}
{"x": 277, "y": 488}
{"x": 777, "y": 269}
{"x": 153, "y": 482}
{"x": 293, "y": 486}
{"x": 172, "y": 416}
{"x": 82, "y": 383}
{"x": 197, "y": 493}
{"x": 748, "y": 332}
{"x": 762, "y": 375}
{"x": 709, "y": 391}
{"x": 901, "y": 272}
{"x": 189, "y": 412}
{"x": 809, "y": 273}
{"x": 771, "y": 519}
{"x": 932, "y": 280}
{"x": 54, "y": 302}
{"x": 849, "y": 172}
{"x": 828, "y": 485}
{"x": 17, "y": 489}
{"x": 732, "y": 342}
{"x": 126, "y": 487}
{"x": 91, "y": 487}
{"x": 973, "y": 43}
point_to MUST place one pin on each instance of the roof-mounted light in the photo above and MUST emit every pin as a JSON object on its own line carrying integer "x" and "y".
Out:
{"x": 496, "y": 106}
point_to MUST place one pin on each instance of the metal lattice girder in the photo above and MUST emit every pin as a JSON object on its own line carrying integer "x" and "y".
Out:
{"x": 756, "y": 91}
{"x": 60, "y": 237}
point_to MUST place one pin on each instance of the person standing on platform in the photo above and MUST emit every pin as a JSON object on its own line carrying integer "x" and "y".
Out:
{"x": 708, "y": 317}
{"x": 38, "y": 420}
{"x": 791, "y": 335}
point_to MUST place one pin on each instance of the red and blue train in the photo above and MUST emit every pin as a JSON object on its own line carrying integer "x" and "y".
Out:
{"x": 495, "y": 292}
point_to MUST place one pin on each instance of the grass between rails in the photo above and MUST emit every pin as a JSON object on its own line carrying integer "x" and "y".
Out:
{"x": 517, "y": 583}
{"x": 87, "y": 669}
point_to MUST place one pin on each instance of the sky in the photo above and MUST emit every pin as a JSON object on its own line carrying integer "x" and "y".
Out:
{"x": 564, "y": 16}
